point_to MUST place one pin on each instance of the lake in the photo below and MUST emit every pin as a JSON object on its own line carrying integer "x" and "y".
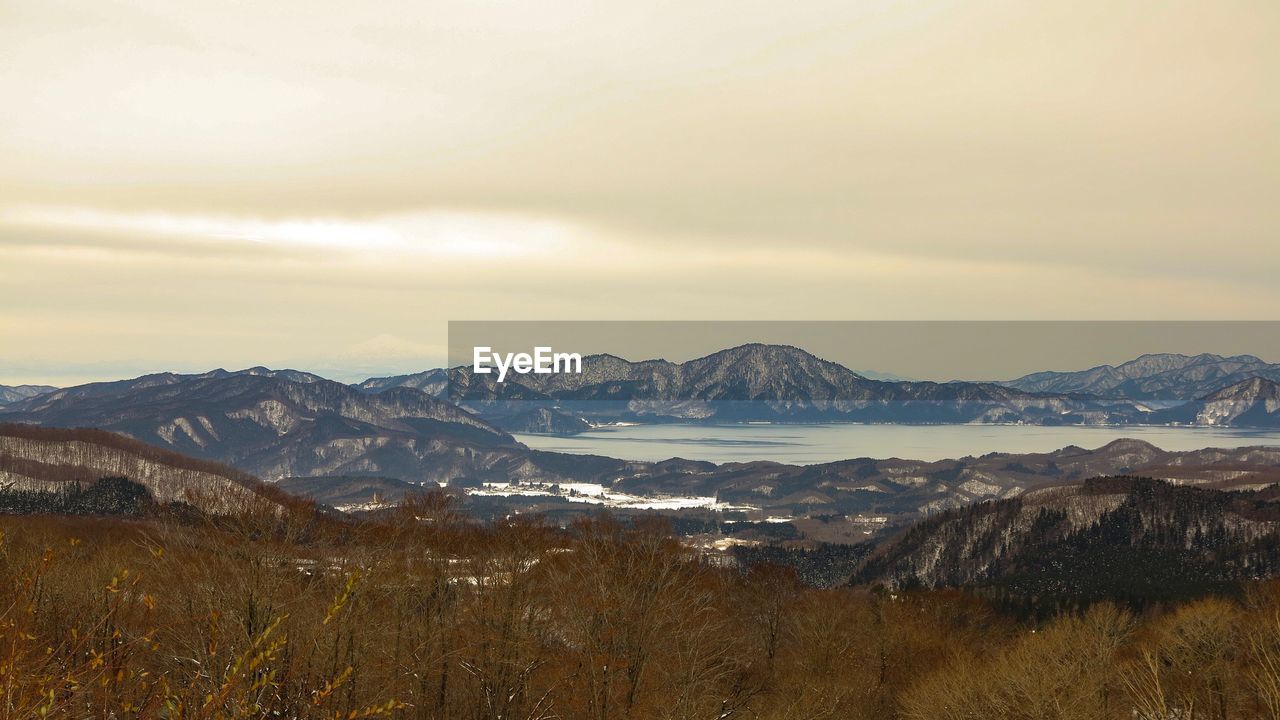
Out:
{"x": 807, "y": 444}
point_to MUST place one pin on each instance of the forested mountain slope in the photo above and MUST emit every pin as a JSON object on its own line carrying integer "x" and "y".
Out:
{"x": 1118, "y": 538}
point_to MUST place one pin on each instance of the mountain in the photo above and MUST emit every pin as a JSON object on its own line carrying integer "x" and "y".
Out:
{"x": 1249, "y": 403}
{"x": 14, "y": 393}
{"x": 1168, "y": 377}
{"x": 877, "y": 375}
{"x": 1123, "y": 538}
{"x": 51, "y": 460}
{"x": 118, "y": 388}
{"x": 433, "y": 382}
{"x": 543, "y": 420}
{"x": 281, "y": 423}
{"x": 763, "y": 383}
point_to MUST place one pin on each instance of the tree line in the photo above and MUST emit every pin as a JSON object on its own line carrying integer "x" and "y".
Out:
{"x": 420, "y": 613}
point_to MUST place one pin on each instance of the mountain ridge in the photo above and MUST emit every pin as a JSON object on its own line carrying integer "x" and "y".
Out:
{"x": 14, "y": 393}
{"x": 1253, "y": 402}
{"x": 758, "y": 382}
{"x": 1124, "y": 538}
{"x": 1153, "y": 377}
{"x": 40, "y": 459}
{"x": 271, "y": 424}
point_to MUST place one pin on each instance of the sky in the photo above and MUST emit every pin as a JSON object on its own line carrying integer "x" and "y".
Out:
{"x": 326, "y": 185}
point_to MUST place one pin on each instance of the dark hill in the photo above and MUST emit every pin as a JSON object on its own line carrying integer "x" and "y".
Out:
{"x": 1122, "y": 538}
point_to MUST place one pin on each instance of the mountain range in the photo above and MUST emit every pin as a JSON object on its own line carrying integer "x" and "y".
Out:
{"x": 1049, "y": 526}
{"x": 763, "y": 383}
{"x": 279, "y": 423}
{"x": 777, "y": 383}
{"x": 14, "y": 393}
{"x": 903, "y": 486}
{"x": 1066, "y": 539}
{"x": 1161, "y": 377}
{"x": 893, "y": 488}
{"x": 289, "y": 424}
{"x": 786, "y": 384}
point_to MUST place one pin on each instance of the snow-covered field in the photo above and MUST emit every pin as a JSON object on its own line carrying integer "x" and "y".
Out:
{"x": 596, "y": 494}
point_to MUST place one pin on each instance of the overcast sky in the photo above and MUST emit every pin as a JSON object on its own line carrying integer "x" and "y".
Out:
{"x": 323, "y": 185}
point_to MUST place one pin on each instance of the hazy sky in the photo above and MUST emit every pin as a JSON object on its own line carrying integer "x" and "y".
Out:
{"x": 196, "y": 184}
{"x": 914, "y": 349}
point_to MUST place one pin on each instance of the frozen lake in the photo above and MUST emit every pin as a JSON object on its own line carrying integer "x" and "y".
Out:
{"x": 807, "y": 444}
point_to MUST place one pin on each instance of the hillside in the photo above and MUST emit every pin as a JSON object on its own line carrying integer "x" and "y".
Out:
{"x": 1119, "y": 538}
{"x": 1251, "y": 403}
{"x": 37, "y": 459}
{"x": 349, "y": 492}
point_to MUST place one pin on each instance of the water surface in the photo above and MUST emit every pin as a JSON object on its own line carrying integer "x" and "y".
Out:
{"x": 807, "y": 444}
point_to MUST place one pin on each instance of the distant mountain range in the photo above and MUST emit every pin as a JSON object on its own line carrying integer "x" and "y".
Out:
{"x": 786, "y": 384}
{"x": 276, "y": 424}
{"x": 763, "y": 383}
{"x": 905, "y": 486}
{"x": 14, "y": 393}
{"x": 286, "y": 423}
{"x": 1164, "y": 377}
{"x": 279, "y": 423}
{"x": 743, "y": 372}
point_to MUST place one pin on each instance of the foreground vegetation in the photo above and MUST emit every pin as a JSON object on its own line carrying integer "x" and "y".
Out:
{"x": 422, "y": 615}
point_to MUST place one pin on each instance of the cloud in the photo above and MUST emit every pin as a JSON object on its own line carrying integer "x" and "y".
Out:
{"x": 266, "y": 185}
{"x": 430, "y": 233}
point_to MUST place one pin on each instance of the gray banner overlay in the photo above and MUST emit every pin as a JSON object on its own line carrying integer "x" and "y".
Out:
{"x": 1047, "y": 373}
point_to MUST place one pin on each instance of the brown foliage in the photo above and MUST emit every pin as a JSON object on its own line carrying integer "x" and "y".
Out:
{"x": 423, "y": 615}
